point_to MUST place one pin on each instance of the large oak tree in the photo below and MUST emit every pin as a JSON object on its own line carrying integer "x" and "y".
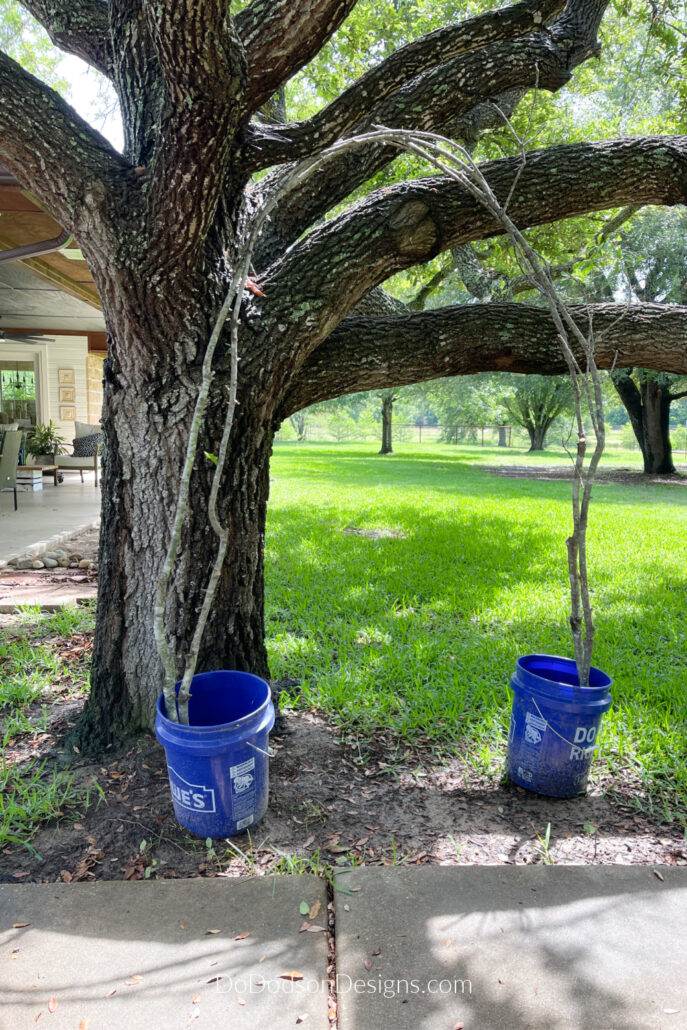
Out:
{"x": 157, "y": 222}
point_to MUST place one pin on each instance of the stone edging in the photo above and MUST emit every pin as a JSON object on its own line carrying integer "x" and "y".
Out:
{"x": 35, "y": 550}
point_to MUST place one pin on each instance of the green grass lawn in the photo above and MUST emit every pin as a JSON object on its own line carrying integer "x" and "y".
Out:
{"x": 419, "y": 633}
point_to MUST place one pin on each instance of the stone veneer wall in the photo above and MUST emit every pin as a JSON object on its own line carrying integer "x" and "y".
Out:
{"x": 94, "y": 385}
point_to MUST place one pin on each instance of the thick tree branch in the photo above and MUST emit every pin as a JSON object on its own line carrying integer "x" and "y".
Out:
{"x": 289, "y": 142}
{"x": 80, "y": 27}
{"x": 412, "y": 222}
{"x": 203, "y": 67}
{"x": 280, "y": 37}
{"x": 374, "y": 353}
{"x": 52, "y": 151}
{"x": 427, "y": 104}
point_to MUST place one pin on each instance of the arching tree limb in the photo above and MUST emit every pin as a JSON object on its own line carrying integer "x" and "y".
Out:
{"x": 373, "y": 353}
{"x": 289, "y": 142}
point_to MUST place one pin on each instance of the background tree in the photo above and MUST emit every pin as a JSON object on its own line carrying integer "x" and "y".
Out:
{"x": 653, "y": 264}
{"x": 535, "y": 404}
{"x": 387, "y": 398}
{"x": 160, "y": 223}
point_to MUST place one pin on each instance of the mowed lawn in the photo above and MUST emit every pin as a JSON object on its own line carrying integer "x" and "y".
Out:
{"x": 418, "y": 632}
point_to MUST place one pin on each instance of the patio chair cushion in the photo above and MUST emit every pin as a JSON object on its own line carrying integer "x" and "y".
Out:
{"x": 84, "y": 446}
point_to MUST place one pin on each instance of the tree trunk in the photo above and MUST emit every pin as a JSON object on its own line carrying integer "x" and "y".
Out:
{"x": 298, "y": 423}
{"x": 648, "y": 407}
{"x": 537, "y": 436}
{"x": 147, "y": 427}
{"x": 503, "y": 442}
{"x": 658, "y": 453}
{"x": 387, "y": 415}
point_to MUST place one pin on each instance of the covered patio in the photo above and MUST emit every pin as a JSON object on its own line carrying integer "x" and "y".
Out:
{"x": 52, "y": 347}
{"x": 46, "y": 517}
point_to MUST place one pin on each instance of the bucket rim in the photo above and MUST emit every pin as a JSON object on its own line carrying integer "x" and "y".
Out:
{"x": 597, "y": 689}
{"x": 255, "y": 716}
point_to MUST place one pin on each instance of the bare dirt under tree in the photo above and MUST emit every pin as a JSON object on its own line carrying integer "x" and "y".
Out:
{"x": 623, "y": 476}
{"x": 380, "y": 805}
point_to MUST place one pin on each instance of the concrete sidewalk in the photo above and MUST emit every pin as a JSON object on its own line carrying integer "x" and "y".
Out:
{"x": 427, "y": 948}
{"x": 164, "y": 954}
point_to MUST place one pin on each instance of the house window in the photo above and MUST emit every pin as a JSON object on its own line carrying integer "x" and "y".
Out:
{"x": 18, "y": 391}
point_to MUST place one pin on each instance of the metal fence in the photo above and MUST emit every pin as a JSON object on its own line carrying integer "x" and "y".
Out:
{"x": 343, "y": 430}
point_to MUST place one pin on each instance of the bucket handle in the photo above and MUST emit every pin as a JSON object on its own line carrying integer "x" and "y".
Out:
{"x": 550, "y": 727}
{"x": 270, "y": 753}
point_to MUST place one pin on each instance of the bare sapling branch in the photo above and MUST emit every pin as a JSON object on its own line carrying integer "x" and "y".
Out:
{"x": 455, "y": 161}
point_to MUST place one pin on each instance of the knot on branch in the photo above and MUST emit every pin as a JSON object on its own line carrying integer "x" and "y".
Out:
{"x": 415, "y": 233}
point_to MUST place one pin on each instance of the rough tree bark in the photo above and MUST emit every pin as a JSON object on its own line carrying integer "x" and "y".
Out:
{"x": 157, "y": 222}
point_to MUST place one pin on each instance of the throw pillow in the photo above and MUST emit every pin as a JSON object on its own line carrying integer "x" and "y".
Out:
{"x": 84, "y": 446}
{"x": 85, "y": 429}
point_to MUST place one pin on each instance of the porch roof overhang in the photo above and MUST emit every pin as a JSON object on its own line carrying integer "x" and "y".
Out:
{"x": 47, "y": 292}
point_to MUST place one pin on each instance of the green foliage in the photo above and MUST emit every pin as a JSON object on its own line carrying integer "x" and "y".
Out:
{"x": 43, "y": 439}
{"x": 22, "y": 38}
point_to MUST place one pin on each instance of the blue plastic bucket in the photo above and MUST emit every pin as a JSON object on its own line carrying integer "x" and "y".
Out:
{"x": 554, "y": 725}
{"x": 218, "y": 765}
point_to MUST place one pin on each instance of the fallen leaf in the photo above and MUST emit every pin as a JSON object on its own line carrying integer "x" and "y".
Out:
{"x": 378, "y": 951}
{"x": 447, "y": 942}
{"x": 291, "y": 975}
{"x": 309, "y": 841}
{"x": 214, "y": 980}
{"x": 52, "y": 1004}
{"x": 36, "y": 1018}
{"x": 134, "y": 980}
{"x": 313, "y": 913}
{"x": 85, "y": 1023}
{"x": 212, "y": 931}
{"x": 367, "y": 963}
{"x": 111, "y": 993}
{"x": 305, "y": 925}
{"x": 196, "y": 998}
{"x": 301, "y": 1019}
{"x": 316, "y": 929}
{"x": 18, "y": 926}
{"x": 304, "y": 908}
{"x": 458, "y": 1026}
{"x": 262, "y": 958}
{"x": 192, "y": 1018}
{"x": 238, "y": 937}
{"x": 659, "y": 876}
{"x": 241, "y": 1001}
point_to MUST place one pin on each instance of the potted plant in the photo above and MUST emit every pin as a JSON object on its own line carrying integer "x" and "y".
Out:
{"x": 43, "y": 443}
